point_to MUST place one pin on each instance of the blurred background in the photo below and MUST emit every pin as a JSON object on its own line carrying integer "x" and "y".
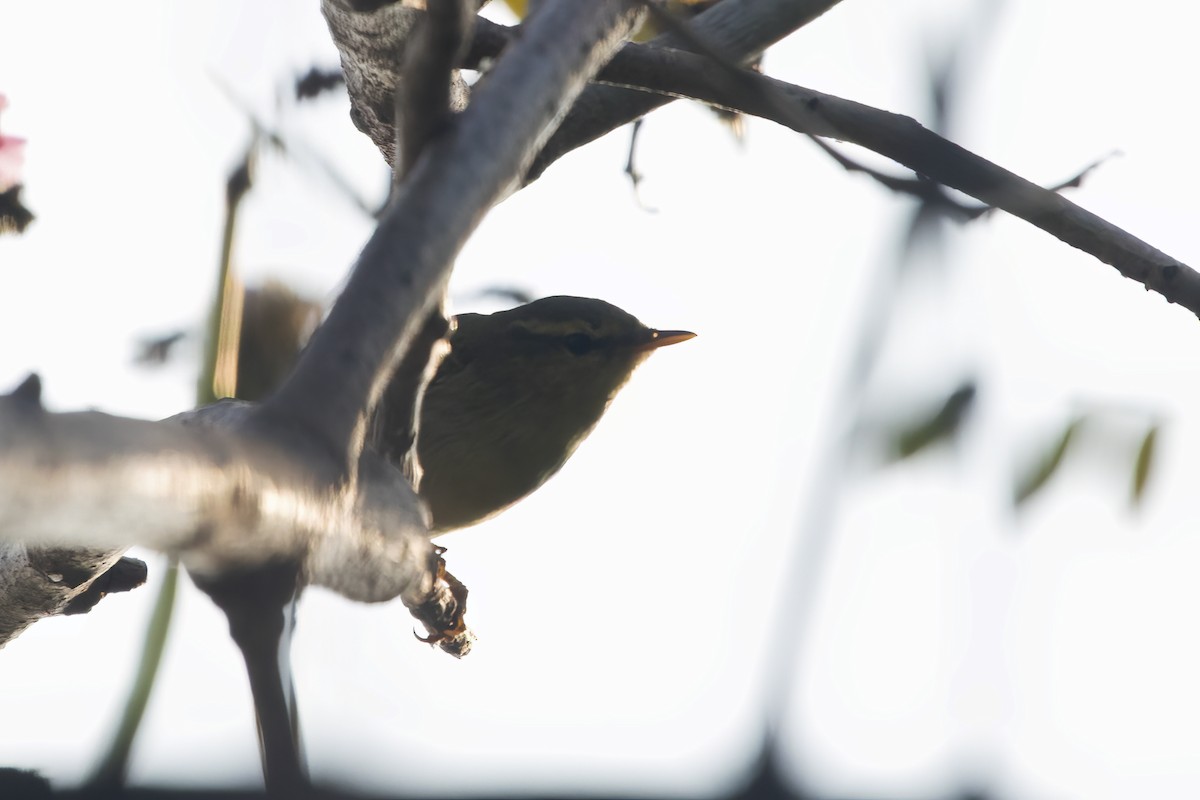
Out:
{"x": 916, "y": 498}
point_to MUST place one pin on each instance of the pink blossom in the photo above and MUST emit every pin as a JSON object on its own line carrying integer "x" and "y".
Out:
{"x": 12, "y": 156}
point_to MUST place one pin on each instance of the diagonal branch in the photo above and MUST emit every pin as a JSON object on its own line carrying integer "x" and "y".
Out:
{"x": 741, "y": 28}
{"x": 402, "y": 271}
{"x": 680, "y": 74}
{"x": 904, "y": 140}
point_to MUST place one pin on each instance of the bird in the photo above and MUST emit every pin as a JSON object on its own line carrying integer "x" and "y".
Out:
{"x": 517, "y": 393}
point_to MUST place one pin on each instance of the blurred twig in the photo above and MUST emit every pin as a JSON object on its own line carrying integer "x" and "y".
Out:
{"x": 114, "y": 766}
{"x": 218, "y": 377}
{"x": 317, "y": 81}
{"x": 293, "y": 146}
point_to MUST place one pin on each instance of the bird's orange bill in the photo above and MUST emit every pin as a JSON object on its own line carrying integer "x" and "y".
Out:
{"x": 663, "y": 338}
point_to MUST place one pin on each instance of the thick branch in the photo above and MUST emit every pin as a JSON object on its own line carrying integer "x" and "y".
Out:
{"x": 372, "y": 43}
{"x": 221, "y": 498}
{"x": 207, "y": 492}
{"x": 373, "y": 39}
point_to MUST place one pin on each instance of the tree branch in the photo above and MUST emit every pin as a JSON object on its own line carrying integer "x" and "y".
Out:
{"x": 402, "y": 271}
{"x": 202, "y": 487}
{"x": 741, "y": 28}
{"x": 234, "y": 486}
{"x": 40, "y": 582}
{"x": 905, "y": 141}
{"x": 197, "y": 486}
{"x": 681, "y": 74}
{"x": 424, "y": 94}
{"x": 372, "y": 46}
{"x": 372, "y": 43}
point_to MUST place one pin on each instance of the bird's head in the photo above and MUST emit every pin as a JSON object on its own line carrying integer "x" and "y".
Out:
{"x": 561, "y": 348}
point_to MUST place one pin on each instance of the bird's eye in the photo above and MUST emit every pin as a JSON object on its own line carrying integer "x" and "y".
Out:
{"x": 578, "y": 343}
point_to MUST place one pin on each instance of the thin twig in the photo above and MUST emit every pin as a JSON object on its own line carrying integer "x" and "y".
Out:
{"x": 931, "y": 192}
{"x": 635, "y": 175}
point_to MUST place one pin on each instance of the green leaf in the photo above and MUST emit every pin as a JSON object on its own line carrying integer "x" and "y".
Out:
{"x": 1142, "y": 466}
{"x": 939, "y": 425}
{"x": 1038, "y": 474}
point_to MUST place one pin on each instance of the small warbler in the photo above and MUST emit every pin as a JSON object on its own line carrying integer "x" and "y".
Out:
{"x": 518, "y": 392}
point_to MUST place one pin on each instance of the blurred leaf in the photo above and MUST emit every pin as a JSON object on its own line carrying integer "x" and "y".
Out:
{"x": 941, "y": 425}
{"x": 14, "y": 216}
{"x": 276, "y": 323}
{"x": 317, "y": 81}
{"x": 518, "y": 7}
{"x": 157, "y": 350}
{"x": 1034, "y": 479}
{"x": 515, "y": 294}
{"x": 1142, "y": 466}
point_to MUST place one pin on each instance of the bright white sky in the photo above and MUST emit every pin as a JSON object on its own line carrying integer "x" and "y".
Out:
{"x": 626, "y": 612}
